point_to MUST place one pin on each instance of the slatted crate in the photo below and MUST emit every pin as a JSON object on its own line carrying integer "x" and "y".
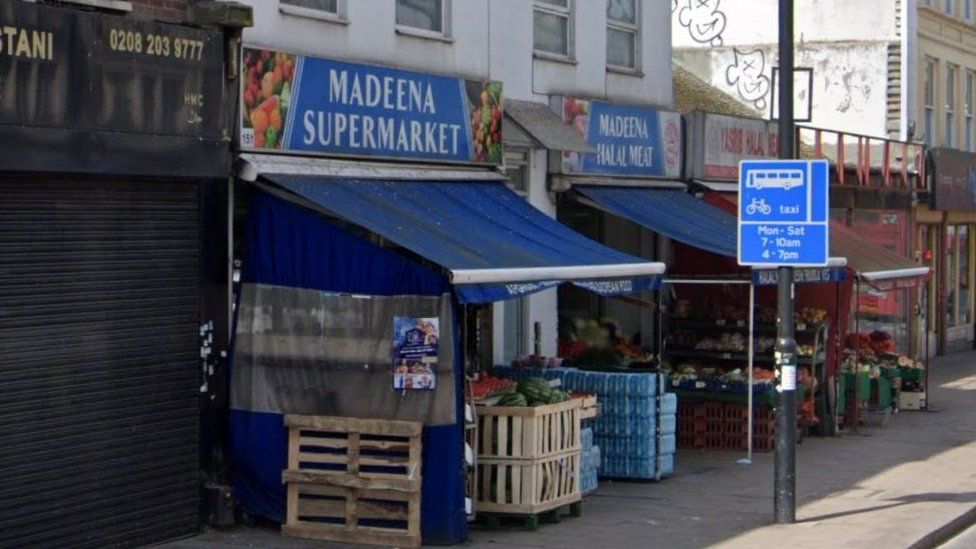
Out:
{"x": 529, "y": 432}
{"x": 353, "y": 480}
{"x": 529, "y": 458}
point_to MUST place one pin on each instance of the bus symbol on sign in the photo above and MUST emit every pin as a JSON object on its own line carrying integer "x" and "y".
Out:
{"x": 785, "y": 179}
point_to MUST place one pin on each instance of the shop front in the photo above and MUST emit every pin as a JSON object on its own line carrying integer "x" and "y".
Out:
{"x": 376, "y": 218}
{"x": 114, "y": 150}
{"x": 945, "y": 241}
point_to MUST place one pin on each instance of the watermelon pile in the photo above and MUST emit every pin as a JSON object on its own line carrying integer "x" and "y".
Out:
{"x": 533, "y": 391}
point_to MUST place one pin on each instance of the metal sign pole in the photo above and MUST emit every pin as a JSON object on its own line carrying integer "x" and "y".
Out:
{"x": 785, "y": 482}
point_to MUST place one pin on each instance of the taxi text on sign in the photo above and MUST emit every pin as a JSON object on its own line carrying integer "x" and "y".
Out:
{"x": 783, "y": 213}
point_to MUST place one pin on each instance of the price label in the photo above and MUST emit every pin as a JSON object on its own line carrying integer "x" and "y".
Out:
{"x": 788, "y": 377}
{"x": 740, "y": 323}
{"x": 801, "y": 327}
{"x": 727, "y": 356}
{"x": 675, "y": 383}
{"x": 699, "y": 385}
{"x": 720, "y": 322}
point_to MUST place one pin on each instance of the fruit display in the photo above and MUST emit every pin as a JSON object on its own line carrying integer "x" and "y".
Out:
{"x": 810, "y": 316}
{"x": 486, "y": 386}
{"x": 530, "y": 391}
{"x": 485, "y": 109}
{"x": 267, "y": 79}
{"x": 872, "y": 345}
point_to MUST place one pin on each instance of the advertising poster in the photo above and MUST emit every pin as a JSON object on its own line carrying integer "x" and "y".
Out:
{"x": 729, "y": 140}
{"x": 322, "y": 106}
{"x": 629, "y": 140}
{"x": 415, "y": 345}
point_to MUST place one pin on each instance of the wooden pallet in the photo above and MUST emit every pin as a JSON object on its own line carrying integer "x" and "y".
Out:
{"x": 353, "y": 480}
{"x": 495, "y": 521}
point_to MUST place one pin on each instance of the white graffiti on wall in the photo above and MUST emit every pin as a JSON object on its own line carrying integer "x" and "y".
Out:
{"x": 747, "y": 75}
{"x": 703, "y": 19}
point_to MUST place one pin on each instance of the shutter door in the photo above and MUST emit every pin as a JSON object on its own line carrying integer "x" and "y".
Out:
{"x": 99, "y": 360}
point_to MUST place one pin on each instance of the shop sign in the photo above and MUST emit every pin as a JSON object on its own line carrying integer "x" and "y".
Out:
{"x": 67, "y": 69}
{"x": 634, "y": 141}
{"x": 770, "y": 277}
{"x": 729, "y": 140}
{"x": 415, "y": 349}
{"x": 955, "y": 180}
{"x": 322, "y": 106}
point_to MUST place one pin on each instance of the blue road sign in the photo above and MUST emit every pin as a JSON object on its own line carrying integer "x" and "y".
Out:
{"x": 784, "y": 213}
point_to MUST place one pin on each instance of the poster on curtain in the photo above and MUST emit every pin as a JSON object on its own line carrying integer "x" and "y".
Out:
{"x": 415, "y": 345}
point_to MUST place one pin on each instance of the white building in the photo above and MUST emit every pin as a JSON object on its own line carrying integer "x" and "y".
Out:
{"x": 617, "y": 51}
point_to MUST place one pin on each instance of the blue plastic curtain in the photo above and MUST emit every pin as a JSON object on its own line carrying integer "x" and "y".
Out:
{"x": 288, "y": 245}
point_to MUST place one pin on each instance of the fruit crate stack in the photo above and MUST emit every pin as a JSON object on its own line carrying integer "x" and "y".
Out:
{"x": 589, "y": 462}
{"x": 724, "y": 426}
{"x": 636, "y": 429}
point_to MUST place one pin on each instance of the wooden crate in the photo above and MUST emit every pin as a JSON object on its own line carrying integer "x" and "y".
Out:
{"x": 588, "y": 407}
{"x": 529, "y": 458}
{"x": 529, "y": 432}
{"x": 528, "y": 486}
{"x": 353, "y": 480}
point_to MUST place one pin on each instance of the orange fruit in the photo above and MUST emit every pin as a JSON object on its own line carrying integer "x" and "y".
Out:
{"x": 275, "y": 119}
{"x": 259, "y": 120}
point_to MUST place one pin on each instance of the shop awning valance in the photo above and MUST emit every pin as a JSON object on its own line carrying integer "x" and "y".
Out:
{"x": 871, "y": 262}
{"x": 671, "y": 212}
{"x": 492, "y": 242}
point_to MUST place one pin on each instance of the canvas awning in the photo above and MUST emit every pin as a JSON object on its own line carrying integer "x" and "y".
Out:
{"x": 545, "y": 126}
{"x": 873, "y": 263}
{"x": 492, "y": 242}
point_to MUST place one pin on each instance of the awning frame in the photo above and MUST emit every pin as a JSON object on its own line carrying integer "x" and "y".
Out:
{"x": 250, "y": 166}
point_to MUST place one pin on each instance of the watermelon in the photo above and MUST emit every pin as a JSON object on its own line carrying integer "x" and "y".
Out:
{"x": 513, "y": 399}
{"x": 535, "y": 388}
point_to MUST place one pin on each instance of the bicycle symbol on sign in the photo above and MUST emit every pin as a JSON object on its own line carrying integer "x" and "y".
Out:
{"x": 758, "y": 205}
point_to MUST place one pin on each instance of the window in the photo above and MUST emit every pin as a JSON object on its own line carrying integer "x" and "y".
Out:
{"x": 950, "y": 106}
{"x": 328, "y": 6}
{"x": 427, "y": 15}
{"x": 515, "y": 328}
{"x": 517, "y": 170}
{"x": 967, "y": 9}
{"x": 929, "y": 87}
{"x": 623, "y": 33}
{"x": 552, "y": 27}
{"x": 949, "y": 6}
{"x": 968, "y": 98}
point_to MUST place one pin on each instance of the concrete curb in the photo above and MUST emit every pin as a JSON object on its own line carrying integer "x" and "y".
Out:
{"x": 947, "y": 531}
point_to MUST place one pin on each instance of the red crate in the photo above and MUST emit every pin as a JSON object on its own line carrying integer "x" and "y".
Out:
{"x": 686, "y": 425}
{"x": 763, "y": 413}
{"x": 713, "y": 427}
{"x": 735, "y": 442}
{"x": 737, "y": 429}
{"x": 714, "y": 411}
{"x": 715, "y": 441}
{"x": 687, "y": 441}
{"x": 764, "y": 428}
{"x": 686, "y": 410}
{"x": 763, "y": 444}
{"x": 736, "y": 413}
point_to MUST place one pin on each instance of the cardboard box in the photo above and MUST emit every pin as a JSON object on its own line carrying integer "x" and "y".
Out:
{"x": 911, "y": 401}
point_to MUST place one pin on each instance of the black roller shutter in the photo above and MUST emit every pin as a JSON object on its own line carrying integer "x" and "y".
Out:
{"x": 99, "y": 362}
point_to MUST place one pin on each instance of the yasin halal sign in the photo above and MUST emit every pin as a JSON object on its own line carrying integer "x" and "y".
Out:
{"x": 322, "y": 106}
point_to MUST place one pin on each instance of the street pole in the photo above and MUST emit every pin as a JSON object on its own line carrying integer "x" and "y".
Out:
{"x": 785, "y": 483}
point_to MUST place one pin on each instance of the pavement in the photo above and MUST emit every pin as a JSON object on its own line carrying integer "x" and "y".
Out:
{"x": 911, "y": 484}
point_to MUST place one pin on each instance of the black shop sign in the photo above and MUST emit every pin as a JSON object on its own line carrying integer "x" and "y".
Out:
{"x": 110, "y": 93}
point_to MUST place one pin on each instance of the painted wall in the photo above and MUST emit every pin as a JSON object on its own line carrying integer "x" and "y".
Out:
{"x": 732, "y": 44}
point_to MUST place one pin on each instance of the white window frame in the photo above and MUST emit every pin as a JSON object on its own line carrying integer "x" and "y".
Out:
{"x": 569, "y": 13}
{"x": 928, "y": 99}
{"x": 442, "y": 34}
{"x": 340, "y": 15}
{"x": 951, "y": 82}
{"x": 633, "y": 28}
{"x": 515, "y": 158}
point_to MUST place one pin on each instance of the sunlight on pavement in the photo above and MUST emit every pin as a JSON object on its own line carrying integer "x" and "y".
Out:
{"x": 965, "y": 384}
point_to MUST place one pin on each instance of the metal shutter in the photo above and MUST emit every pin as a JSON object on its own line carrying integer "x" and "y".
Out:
{"x": 99, "y": 353}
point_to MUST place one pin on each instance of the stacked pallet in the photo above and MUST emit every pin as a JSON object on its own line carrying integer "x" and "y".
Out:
{"x": 353, "y": 480}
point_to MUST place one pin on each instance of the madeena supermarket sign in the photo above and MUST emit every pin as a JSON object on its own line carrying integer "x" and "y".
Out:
{"x": 323, "y": 106}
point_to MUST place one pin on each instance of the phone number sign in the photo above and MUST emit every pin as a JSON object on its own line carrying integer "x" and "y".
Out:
{"x": 784, "y": 213}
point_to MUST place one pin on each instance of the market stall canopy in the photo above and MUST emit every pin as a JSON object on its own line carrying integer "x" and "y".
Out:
{"x": 671, "y": 212}
{"x": 872, "y": 262}
{"x": 545, "y": 126}
{"x": 493, "y": 243}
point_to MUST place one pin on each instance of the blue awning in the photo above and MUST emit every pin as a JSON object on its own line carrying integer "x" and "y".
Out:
{"x": 494, "y": 244}
{"x": 671, "y": 212}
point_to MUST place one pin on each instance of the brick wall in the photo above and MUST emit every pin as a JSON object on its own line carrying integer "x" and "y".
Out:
{"x": 173, "y": 11}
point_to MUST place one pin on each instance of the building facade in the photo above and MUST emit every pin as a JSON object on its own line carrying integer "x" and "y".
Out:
{"x": 616, "y": 52}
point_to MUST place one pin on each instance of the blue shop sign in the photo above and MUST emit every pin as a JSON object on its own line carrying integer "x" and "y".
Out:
{"x": 323, "y": 106}
{"x": 635, "y": 141}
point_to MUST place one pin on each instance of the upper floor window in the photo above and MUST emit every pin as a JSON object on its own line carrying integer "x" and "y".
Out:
{"x": 428, "y": 15}
{"x": 950, "y": 6}
{"x": 552, "y": 27}
{"x": 967, "y": 9}
{"x": 968, "y": 97}
{"x": 950, "y": 106}
{"x": 623, "y": 33}
{"x": 327, "y": 6}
